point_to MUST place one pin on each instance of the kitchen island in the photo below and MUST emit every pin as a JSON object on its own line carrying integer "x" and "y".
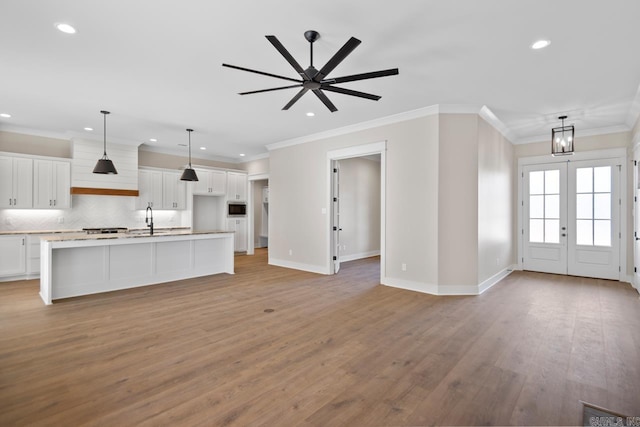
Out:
{"x": 75, "y": 264}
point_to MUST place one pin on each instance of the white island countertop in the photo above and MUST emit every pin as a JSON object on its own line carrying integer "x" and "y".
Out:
{"x": 74, "y": 264}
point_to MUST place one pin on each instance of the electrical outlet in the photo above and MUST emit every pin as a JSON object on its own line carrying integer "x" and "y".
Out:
{"x": 61, "y": 220}
{"x": 497, "y": 262}
{"x": 290, "y": 252}
{"x": 344, "y": 247}
{"x": 172, "y": 219}
{"x": 404, "y": 267}
{"x": 7, "y": 221}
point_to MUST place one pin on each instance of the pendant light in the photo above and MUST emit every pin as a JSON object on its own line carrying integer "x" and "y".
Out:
{"x": 104, "y": 165}
{"x": 189, "y": 174}
{"x": 562, "y": 139}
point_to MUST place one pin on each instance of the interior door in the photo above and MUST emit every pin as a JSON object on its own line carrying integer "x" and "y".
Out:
{"x": 545, "y": 218}
{"x": 594, "y": 229}
{"x": 571, "y": 218}
{"x": 336, "y": 215}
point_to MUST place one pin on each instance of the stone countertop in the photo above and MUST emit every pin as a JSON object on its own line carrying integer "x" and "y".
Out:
{"x": 132, "y": 234}
{"x": 76, "y": 231}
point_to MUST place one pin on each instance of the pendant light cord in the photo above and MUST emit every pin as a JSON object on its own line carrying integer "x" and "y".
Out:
{"x": 190, "y": 130}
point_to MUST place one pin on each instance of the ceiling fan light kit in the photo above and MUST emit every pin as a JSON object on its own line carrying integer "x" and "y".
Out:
{"x": 315, "y": 80}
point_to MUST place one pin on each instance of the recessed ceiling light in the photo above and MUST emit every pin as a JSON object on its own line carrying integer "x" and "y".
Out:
{"x": 203, "y": 148}
{"x": 540, "y": 44}
{"x": 5, "y": 115}
{"x": 88, "y": 129}
{"x": 310, "y": 114}
{"x": 153, "y": 140}
{"x": 66, "y": 28}
{"x": 241, "y": 154}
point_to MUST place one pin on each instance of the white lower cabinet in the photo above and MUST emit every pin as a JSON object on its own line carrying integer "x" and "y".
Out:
{"x": 239, "y": 226}
{"x": 13, "y": 255}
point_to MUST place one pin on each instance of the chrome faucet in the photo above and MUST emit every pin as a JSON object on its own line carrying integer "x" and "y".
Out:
{"x": 149, "y": 224}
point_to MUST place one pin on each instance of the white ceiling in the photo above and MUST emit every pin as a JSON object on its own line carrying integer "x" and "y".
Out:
{"x": 156, "y": 65}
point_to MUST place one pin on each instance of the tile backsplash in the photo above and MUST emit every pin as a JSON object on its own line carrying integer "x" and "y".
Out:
{"x": 89, "y": 211}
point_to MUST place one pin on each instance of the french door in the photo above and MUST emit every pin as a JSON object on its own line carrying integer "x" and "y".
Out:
{"x": 571, "y": 218}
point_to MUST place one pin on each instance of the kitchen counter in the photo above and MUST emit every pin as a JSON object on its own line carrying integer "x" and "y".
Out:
{"x": 74, "y": 264}
{"x": 131, "y": 234}
{"x": 76, "y": 231}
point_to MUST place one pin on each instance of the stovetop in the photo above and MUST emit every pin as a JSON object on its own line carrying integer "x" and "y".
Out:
{"x": 105, "y": 230}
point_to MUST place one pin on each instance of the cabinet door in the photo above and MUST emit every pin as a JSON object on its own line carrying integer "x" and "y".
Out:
{"x": 174, "y": 191}
{"x": 218, "y": 182}
{"x": 42, "y": 184}
{"x": 22, "y": 183}
{"x": 202, "y": 185}
{"x": 12, "y": 255}
{"x": 6, "y": 182}
{"x": 241, "y": 187}
{"x": 241, "y": 235}
{"x": 61, "y": 185}
{"x": 236, "y": 187}
{"x": 150, "y": 189}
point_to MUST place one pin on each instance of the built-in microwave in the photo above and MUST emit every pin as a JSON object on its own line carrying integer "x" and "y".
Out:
{"x": 237, "y": 209}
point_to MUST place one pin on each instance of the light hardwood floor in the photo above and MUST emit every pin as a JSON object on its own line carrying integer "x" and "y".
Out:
{"x": 336, "y": 350}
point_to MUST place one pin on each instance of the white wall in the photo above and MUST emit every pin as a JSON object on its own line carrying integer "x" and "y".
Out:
{"x": 497, "y": 197}
{"x": 359, "y": 208}
{"x": 298, "y": 184}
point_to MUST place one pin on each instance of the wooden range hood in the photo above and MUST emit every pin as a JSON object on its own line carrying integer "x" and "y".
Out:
{"x": 104, "y": 191}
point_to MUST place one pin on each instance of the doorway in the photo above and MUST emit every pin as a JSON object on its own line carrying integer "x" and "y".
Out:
{"x": 257, "y": 212}
{"x": 571, "y": 217}
{"x": 356, "y": 198}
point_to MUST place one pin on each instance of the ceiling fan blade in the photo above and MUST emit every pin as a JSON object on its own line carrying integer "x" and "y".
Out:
{"x": 363, "y": 76}
{"x": 325, "y": 100}
{"x": 262, "y": 73}
{"x": 295, "y": 98}
{"x": 340, "y": 55}
{"x": 268, "y": 90}
{"x": 290, "y": 59}
{"x": 351, "y": 92}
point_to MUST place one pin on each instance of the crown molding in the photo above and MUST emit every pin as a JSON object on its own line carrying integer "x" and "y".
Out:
{"x": 183, "y": 153}
{"x": 35, "y": 132}
{"x": 634, "y": 110}
{"x": 256, "y": 157}
{"x": 382, "y": 121}
{"x": 493, "y": 120}
{"x": 585, "y": 132}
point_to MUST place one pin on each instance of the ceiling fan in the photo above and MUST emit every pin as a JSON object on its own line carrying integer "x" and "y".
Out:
{"x": 316, "y": 80}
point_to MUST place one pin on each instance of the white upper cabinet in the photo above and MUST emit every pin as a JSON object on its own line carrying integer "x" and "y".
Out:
{"x": 174, "y": 191}
{"x": 51, "y": 184}
{"x": 236, "y": 187}
{"x": 150, "y": 189}
{"x": 210, "y": 182}
{"x": 16, "y": 182}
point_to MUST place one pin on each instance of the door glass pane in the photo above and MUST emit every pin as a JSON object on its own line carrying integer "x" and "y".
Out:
{"x": 552, "y": 206}
{"x": 552, "y": 182}
{"x": 536, "y": 207}
{"x": 602, "y": 233}
{"x": 551, "y": 231}
{"x": 584, "y": 206}
{"x": 602, "y": 206}
{"x": 536, "y": 182}
{"x": 584, "y": 232}
{"x": 536, "y": 230}
{"x": 584, "y": 180}
{"x": 602, "y": 179}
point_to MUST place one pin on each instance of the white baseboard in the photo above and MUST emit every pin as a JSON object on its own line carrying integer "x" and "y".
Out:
{"x": 425, "y": 288}
{"x": 433, "y": 289}
{"x": 299, "y": 266}
{"x": 495, "y": 278}
{"x": 361, "y": 255}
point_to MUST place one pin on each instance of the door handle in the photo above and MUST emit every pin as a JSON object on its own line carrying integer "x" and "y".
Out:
{"x": 564, "y": 234}
{"x": 564, "y": 228}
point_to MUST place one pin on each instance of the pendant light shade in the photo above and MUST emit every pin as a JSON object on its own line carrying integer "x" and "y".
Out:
{"x": 105, "y": 165}
{"x": 189, "y": 174}
{"x": 562, "y": 139}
